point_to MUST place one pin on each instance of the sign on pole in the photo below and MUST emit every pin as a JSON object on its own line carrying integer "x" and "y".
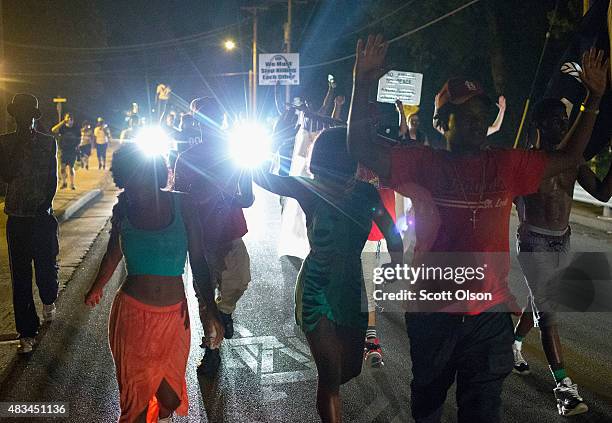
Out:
{"x": 279, "y": 68}
{"x": 399, "y": 85}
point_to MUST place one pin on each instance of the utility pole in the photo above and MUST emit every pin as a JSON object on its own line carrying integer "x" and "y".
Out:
{"x": 3, "y": 97}
{"x": 288, "y": 45}
{"x": 253, "y": 77}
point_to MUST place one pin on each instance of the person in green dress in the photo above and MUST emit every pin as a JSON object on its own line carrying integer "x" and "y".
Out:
{"x": 330, "y": 297}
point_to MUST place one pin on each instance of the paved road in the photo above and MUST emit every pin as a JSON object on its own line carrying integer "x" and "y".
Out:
{"x": 267, "y": 374}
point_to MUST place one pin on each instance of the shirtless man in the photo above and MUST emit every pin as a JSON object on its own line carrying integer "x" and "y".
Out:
{"x": 543, "y": 247}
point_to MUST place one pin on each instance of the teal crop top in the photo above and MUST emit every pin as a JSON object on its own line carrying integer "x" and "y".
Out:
{"x": 161, "y": 252}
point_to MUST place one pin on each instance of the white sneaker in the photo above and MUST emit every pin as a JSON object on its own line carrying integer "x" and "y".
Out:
{"x": 49, "y": 312}
{"x": 165, "y": 419}
{"x": 569, "y": 402}
{"x": 521, "y": 366}
{"x": 26, "y": 345}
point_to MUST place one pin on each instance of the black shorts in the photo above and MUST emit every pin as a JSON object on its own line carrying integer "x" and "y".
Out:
{"x": 68, "y": 158}
{"x": 85, "y": 150}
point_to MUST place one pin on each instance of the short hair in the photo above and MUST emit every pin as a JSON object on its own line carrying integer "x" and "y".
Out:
{"x": 542, "y": 109}
{"x": 330, "y": 155}
{"x": 130, "y": 161}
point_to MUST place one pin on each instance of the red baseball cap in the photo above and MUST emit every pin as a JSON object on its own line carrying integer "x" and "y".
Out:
{"x": 458, "y": 91}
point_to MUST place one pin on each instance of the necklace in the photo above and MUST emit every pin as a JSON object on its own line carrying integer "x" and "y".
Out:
{"x": 482, "y": 183}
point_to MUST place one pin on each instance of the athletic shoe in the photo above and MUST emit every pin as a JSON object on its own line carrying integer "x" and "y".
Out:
{"x": 165, "y": 419}
{"x": 210, "y": 363}
{"x": 372, "y": 353}
{"x": 26, "y": 345}
{"x": 64, "y": 186}
{"x": 228, "y": 324}
{"x": 521, "y": 367}
{"x": 72, "y": 187}
{"x": 569, "y": 402}
{"x": 48, "y": 312}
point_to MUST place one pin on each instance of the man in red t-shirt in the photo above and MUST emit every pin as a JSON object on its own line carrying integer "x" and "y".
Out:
{"x": 462, "y": 201}
{"x": 222, "y": 191}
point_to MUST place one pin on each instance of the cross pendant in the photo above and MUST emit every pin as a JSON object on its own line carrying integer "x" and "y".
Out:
{"x": 473, "y": 219}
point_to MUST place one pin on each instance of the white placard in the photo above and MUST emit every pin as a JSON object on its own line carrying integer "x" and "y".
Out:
{"x": 279, "y": 68}
{"x": 399, "y": 85}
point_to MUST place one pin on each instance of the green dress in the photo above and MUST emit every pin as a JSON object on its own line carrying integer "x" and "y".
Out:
{"x": 330, "y": 282}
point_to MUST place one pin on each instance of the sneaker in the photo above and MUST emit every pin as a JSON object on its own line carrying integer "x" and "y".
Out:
{"x": 521, "y": 367}
{"x": 64, "y": 186}
{"x": 26, "y": 345}
{"x": 165, "y": 419}
{"x": 569, "y": 402}
{"x": 228, "y": 324}
{"x": 48, "y": 312}
{"x": 210, "y": 363}
{"x": 372, "y": 353}
{"x": 72, "y": 187}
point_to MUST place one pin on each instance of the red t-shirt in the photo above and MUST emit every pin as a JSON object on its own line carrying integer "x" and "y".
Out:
{"x": 387, "y": 196}
{"x": 447, "y": 188}
{"x": 200, "y": 171}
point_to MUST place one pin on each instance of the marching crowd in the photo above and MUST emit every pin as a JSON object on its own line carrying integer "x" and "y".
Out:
{"x": 156, "y": 227}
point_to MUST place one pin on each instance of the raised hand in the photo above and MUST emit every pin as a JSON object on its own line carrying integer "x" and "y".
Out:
{"x": 399, "y": 106}
{"x": 501, "y": 103}
{"x": 594, "y": 74}
{"x": 339, "y": 100}
{"x": 370, "y": 59}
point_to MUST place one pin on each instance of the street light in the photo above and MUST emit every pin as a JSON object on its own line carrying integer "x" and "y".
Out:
{"x": 229, "y": 45}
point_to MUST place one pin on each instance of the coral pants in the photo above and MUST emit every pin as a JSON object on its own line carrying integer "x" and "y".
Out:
{"x": 149, "y": 344}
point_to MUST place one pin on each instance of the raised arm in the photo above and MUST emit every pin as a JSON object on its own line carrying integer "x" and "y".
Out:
{"x": 383, "y": 220}
{"x": 403, "y": 125}
{"x": 328, "y": 100}
{"x": 368, "y": 68}
{"x": 601, "y": 190}
{"x": 285, "y": 186}
{"x": 56, "y": 128}
{"x": 338, "y": 106}
{"x": 202, "y": 277}
{"x": 110, "y": 261}
{"x": 496, "y": 126}
{"x": 594, "y": 77}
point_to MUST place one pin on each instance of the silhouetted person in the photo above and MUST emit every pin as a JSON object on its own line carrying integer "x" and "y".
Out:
{"x": 28, "y": 164}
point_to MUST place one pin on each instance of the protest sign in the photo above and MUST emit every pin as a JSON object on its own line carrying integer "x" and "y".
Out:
{"x": 399, "y": 85}
{"x": 279, "y": 68}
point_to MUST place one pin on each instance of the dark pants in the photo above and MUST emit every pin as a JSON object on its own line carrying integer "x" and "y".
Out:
{"x": 476, "y": 350}
{"x": 101, "y": 150}
{"x": 32, "y": 239}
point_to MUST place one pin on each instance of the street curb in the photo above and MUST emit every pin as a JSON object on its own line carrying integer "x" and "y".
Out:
{"x": 78, "y": 204}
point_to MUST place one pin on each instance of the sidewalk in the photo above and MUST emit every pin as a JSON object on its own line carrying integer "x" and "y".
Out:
{"x": 67, "y": 202}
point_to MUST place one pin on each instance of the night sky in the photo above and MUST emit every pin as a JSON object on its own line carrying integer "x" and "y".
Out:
{"x": 114, "y": 52}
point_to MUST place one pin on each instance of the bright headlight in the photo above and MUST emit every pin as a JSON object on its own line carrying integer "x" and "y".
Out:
{"x": 249, "y": 143}
{"x": 153, "y": 141}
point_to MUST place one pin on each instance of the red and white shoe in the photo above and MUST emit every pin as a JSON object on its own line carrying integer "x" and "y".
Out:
{"x": 372, "y": 353}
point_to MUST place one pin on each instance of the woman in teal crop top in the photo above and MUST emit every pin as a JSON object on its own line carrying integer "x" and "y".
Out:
{"x": 149, "y": 334}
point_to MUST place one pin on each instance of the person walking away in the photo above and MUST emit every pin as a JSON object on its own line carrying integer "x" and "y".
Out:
{"x": 330, "y": 287}
{"x": 70, "y": 137}
{"x": 102, "y": 137}
{"x": 28, "y": 165}
{"x": 87, "y": 140}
